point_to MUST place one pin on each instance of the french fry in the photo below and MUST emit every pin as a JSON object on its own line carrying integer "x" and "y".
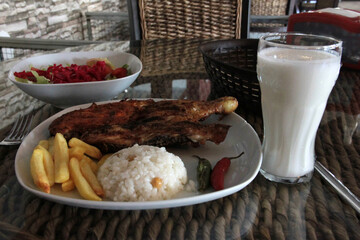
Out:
{"x": 37, "y": 170}
{"x": 44, "y": 144}
{"x": 51, "y": 145}
{"x": 91, "y": 178}
{"x": 48, "y": 164}
{"x": 77, "y": 152}
{"x": 89, "y": 150}
{"x": 81, "y": 184}
{"x": 103, "y": 159}
{"x": 68, "y": 185}
{"x": 61, "y": 159}
{"x": 93, "y": 165}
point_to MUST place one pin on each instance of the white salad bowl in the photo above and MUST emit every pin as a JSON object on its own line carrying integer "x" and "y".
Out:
{"x": 69, "y": 94}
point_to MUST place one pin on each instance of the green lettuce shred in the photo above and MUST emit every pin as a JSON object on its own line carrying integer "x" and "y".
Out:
{"x": 40, "y": 79}
{"x": 22, "y": 80}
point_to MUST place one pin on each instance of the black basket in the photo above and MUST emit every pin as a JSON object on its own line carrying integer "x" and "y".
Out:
{"x": 231, "y": 66}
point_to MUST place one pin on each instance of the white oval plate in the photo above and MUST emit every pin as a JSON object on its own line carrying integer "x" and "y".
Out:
{"x": 241, "y": 137}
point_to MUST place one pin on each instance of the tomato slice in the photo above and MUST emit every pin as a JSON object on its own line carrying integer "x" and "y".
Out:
{"x": 119, "y": 72}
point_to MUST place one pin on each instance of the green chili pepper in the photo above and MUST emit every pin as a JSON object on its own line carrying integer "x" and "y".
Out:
{"x": 203, "y": 173}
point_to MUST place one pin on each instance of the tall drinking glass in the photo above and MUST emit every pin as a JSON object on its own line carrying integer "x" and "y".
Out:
{"x": 296, "y": 73}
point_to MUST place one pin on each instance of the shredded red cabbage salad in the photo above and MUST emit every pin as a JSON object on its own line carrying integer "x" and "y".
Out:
{"x": 55, "y": 74}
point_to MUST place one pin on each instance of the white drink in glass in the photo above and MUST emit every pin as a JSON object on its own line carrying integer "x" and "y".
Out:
{"x": 295, "y": 85}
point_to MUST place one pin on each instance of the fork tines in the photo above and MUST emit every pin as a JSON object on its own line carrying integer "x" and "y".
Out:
{"x": 19, "y": 130}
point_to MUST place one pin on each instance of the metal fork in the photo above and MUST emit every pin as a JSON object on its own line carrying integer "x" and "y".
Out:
{"x": 19, "y": 130}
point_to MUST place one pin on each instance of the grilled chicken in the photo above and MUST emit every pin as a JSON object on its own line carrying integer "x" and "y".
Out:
{"x": 121, "y": 124}
{"x": 115, "y": 137}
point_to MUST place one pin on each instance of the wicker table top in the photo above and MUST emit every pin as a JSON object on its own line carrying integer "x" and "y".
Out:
{"x": 262, "y": 210}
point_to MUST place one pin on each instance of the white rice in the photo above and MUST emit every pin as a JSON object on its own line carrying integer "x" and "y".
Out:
{"x": 128, "y": 174}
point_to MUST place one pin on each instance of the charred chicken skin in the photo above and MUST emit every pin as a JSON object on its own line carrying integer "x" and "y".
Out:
{"x": 115, "y": 137}
{"x": 117, "y": 125}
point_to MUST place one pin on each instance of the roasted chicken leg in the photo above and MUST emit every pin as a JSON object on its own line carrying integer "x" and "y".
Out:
{"x": 121, "y": 124}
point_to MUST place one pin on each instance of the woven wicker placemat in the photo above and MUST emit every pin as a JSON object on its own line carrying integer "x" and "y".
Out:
{"x": 263, "y": 210}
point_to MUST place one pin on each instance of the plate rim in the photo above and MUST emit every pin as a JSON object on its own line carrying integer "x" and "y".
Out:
{"x": 141, "y": 205}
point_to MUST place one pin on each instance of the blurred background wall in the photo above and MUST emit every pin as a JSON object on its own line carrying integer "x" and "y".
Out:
{"x": 53, "y": 19}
